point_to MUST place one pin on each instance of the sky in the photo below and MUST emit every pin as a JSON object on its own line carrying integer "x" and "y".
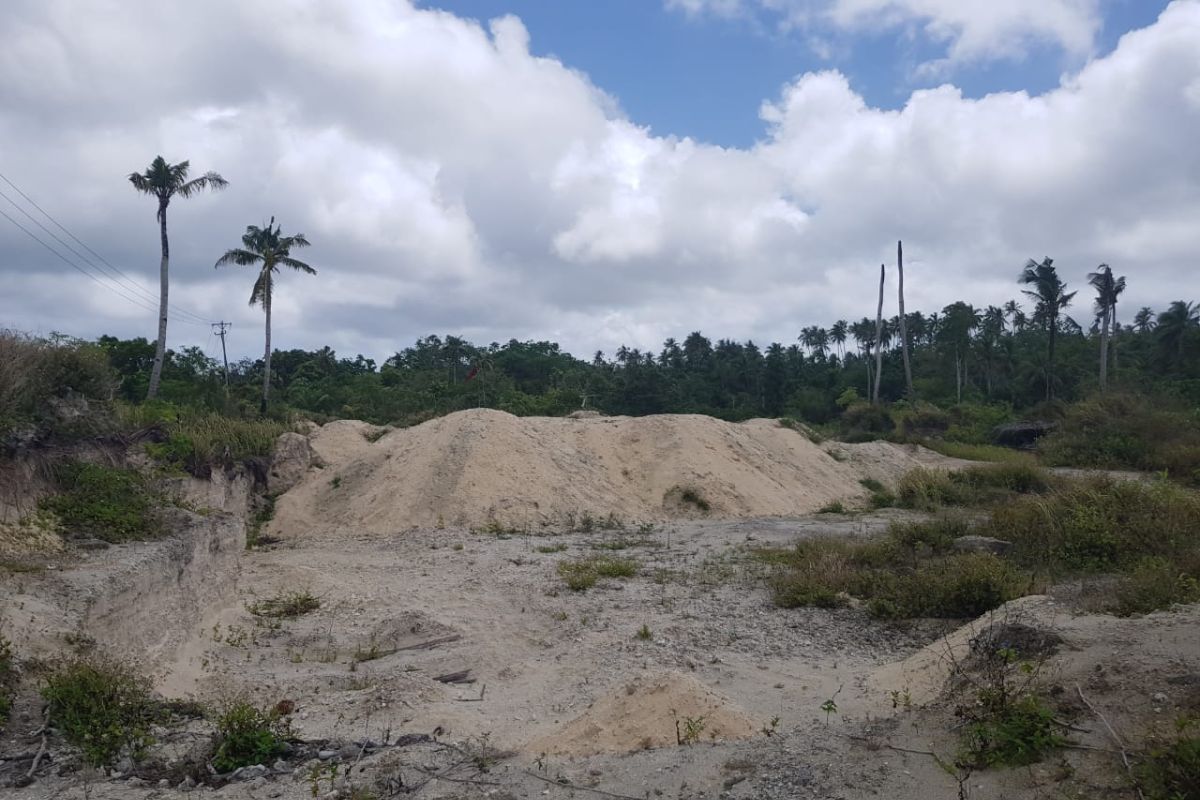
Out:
{"x": 597, "y": 174}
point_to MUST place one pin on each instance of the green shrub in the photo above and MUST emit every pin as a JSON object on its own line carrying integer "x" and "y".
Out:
{"x": 919, "y": 419}
{"x": 1125, "y": 431}
{"x": 34, "y": 372}
{"x": 1171, "y": 770}
{"x": 199, "y": 439}
{"x": 929, "y": 489}
{"x": 936, "y": 535}
{"x": 954, "y": 587}
{"x": 1099, "y": 524}
{"x": 102, "y": 707}
{"x": 1018, "y": 733}
{"x": 8, "y": 679}
{"x": 111, "y": 504}
{"x": 248, "y": 735}
{"x": 1157, "y": 583}
{"x": 836, "y": 507}
{"x": 861, "y": 419}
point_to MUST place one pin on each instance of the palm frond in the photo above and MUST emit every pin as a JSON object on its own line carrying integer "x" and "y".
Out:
{"x": 209, "y": 180}
{"x": 262, "y": 287}
{"x": 238, "y": 256}
{"x": 296, "y": 265}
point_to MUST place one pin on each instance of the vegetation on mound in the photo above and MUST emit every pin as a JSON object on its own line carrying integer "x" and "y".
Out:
{"x": 36, "y": 374}
{"x": 198, "y": 439}
{"x": 929, "y": 489}
{"x": 249, "y": 735}
{"x": 108, "y": 503}
{"x": 1170, "y": 770}
{"x": 103, "y": 707}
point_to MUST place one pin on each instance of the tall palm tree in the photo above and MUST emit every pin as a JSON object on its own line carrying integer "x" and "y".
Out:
{"x": 838, "y": 333}
{"x": 1173, "y": 325}
{"x": 165, "y": 181}
{"x": 1143, "y": 320}
{"x": 1052, "y": 297}
{"x": 270, "y": 250}
{"x": 1105, "y": 284}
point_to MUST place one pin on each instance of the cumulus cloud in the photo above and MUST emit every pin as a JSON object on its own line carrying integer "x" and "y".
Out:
{"x": 452, "y": 181}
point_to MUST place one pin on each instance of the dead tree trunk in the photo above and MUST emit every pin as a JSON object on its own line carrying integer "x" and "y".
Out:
{"x": 908, "y": 384}
{"x": 879, "y": 339}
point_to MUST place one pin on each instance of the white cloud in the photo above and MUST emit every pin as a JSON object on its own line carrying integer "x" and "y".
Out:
{"x": 971, "y": 30}
{"x": 453, "y": 182}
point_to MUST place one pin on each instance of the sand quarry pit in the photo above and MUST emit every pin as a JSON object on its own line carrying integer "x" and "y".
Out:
{"x": 447, "y": 658}
{"x": 483, "y": 467}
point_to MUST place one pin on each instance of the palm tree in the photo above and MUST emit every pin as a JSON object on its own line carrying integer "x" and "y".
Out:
{"x": 164, "y": 181}
{"x": 1052, "y": 297}
{"x": 1107, "y": 290}
{"x": 838, "y": 333}
{"x": 1173, "y": 325}
{"x": 959, "y": 320}
{"x": 267, "y": 247}
{"x": 1143, "y": 320}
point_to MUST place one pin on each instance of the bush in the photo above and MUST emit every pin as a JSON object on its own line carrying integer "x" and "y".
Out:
{"x": 102, "y": 707}
{"x": 8, "y": 679}
{"x": 34, "y": 372}
{"x": 861, "y": 419}
{"x": 1157, "y": 583}
{"x": 248, "y": 735}
{"x": 1171, "y": 770}
{"x": 111, "y": 504}
{"x": 198, "y": 439}
{"x": 1098, "y": 525}
{"x": 954, "y": 587}
{"x": 1124, "y": 431}
{"x": 583, "y": 574}
{"x": 1014, "y": 734}
{"x": 928, "y": 489}
{"x": 919, "y": 419}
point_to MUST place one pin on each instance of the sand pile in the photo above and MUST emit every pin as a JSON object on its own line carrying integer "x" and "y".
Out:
{"x": 651, "y": 711}
{"x": 474, "y": 467}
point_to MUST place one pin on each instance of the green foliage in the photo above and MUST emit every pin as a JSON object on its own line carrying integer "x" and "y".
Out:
{"x": 643, "y": 633}
{"x": 199, "y": 439}
{"x": 835, "y": 507}
{"x": 1099, "y": 525}
{"x": 248, "y": 735}
{"x": 8, "y": 679}
{"x": 865, "y": 421}
{"x": 977, "y": 452}
{"x": 1015, "y": 734}
{"x": 928, "y": 489}
{"x": 101, "y": 706}
{"x": 35, "y": 372}
{"x": 111, "y": 504}
{"x": 1170, "y": 770}
{"x": 1156, "y": 583}
{"x": 583, "y": 574}
{"x": 1123, "y": 431}
{"x": 285, "y": 605}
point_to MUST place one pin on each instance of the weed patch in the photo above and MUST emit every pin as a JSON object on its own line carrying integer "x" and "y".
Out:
{"x": 1171, "y": 769}
{"x": 114, "y": 505}
{"x": 286, "y": 605}
{"x": 583, "y": 574}
{"x": 8, "y": 679}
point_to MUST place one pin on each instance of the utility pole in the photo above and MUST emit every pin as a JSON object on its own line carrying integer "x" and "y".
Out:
{"x": 221, "y": 328}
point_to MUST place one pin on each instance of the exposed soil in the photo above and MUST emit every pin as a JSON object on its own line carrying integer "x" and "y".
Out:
{"x": 683, "y": 681}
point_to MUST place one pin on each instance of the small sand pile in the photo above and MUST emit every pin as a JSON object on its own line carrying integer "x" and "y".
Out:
{"x": 477, "y": 467}
{"x": 642, "y": 715}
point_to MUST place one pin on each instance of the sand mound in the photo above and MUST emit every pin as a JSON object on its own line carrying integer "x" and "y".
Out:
{"x": 642, "y": 715}
{"x": 474, "y": 467}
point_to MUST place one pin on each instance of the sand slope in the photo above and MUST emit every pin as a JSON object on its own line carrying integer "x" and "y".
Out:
{"x": 472, "y": 467}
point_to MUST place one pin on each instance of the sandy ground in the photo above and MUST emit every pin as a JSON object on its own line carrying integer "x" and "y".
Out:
{"x": 683, "y": 681}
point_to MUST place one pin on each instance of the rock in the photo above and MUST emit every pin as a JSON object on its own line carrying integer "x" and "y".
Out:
{"x": 982, "y": 544}
{"x": 187, "y": 783}
{"x": 1021, "y": 434}
{"x": 250, "y": 773}
{"x": 289, "y": 462}
{"x": 325, "y": 755}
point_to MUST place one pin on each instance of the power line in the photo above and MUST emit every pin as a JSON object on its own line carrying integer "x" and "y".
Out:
{"x": 139, "y": 302}
{"x": 117, "y": 276}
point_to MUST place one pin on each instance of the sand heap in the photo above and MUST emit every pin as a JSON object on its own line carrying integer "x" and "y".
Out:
{"x": 474, "y": 467}
{"x": 651, "y": 711}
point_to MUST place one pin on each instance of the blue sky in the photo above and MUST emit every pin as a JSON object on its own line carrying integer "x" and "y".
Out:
{"x": 706, "y": 76}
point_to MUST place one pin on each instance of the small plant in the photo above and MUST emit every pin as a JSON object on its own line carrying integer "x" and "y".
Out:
{"x": 643, "y": 633}
{"x": 693, "y": 497}
{"x": 872, "y": 485}
{"x": 286, "y": 605}
{"x": 248, "y": 735}
{"x": 102, "y": 707}
{"x": 551, "y": 548}
{"x": 8, "y": 678}
{"x": 583, "y": 574}
{"x": 1170, "y": 770}
{"x": 830, "y": 708}
{"x": 336, "y": 481}
{"x": 772, "y": 727}
{"x": 835, "y": 507}
{"x": 1018, "y": 733}
{"x": 688, "y": 733}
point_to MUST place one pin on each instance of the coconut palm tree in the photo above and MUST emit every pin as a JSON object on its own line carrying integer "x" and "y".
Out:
{"x": 1052, "y": 297}
{"x": 1143, "y": 320}
{"x": 1173, "y": 325}
{"x": 165, "y": 181}
{"x": 1107, "y": 290}
{"x": 838, "y": 333}
{"x": 269, "y": 250}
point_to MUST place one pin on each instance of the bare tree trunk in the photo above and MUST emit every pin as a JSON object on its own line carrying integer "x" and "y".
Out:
{"x": 160, "y": 349}
{"x": 267, "y": 354}
{"x": 1104, "y": 349}
{"x": 958, "y": 374}
{"x": 879, "y": 339}
{"x": 1112, "y": 343}
{"x": 908, "y": 384}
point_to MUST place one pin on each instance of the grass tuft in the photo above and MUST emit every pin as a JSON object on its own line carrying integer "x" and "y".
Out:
{"x": 286, "y": 605}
